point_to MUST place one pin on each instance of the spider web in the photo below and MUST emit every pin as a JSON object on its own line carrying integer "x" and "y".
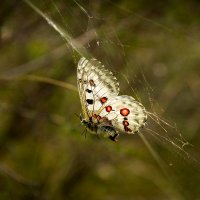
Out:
{"x": 112, "y": 39}
{"x": 101, "y": 39}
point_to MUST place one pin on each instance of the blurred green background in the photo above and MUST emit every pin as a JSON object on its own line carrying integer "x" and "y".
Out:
{"x": 153, "y": 47}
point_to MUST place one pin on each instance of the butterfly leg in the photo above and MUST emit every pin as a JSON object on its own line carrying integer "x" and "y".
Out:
{"x": 84, "y": 132}
{"x": 114, "y": 137}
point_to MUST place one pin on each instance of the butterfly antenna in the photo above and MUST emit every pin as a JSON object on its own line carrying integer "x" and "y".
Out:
{"x": 77, "y": 115}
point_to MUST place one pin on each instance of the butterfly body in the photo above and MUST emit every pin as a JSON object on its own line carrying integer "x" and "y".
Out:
{"x": 103, "y": 111}
{"x": 98, "y": 126}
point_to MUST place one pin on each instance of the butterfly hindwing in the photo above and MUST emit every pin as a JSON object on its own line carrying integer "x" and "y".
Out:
{"x": 125, "y": 113}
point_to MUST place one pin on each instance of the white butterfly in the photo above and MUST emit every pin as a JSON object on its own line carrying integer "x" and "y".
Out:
{"x": 103, "y": 110}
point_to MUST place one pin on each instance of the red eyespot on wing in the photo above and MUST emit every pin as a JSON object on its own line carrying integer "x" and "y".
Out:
{"x": 124, "y": 111}
{"x": 103, "y": 100}
{"x": 94, "y": 115}
{"x": 127, "y": 129}
{"x": 125, "y": 123}
{"x": 98, "y": 117}
{"x": 108, "y": 108}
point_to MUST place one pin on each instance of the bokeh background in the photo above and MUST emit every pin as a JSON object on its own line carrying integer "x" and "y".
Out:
{"x": 153, "y": 47}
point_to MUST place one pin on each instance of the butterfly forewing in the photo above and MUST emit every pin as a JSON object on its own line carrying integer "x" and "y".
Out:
{"x": 96, "y": 85}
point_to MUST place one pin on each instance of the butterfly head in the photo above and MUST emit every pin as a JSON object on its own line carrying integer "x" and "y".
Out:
{"x": 89, "y": 124}
{"x": 84, "y": 122}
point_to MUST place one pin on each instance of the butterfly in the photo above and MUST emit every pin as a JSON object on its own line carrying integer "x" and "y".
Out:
{"x": 103, "y": 111}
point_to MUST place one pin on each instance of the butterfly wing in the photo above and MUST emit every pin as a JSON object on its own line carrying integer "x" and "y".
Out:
{"x": 96, "y": 86}
{"x": 125, "y": 114}
{"x": 98, "y": 90}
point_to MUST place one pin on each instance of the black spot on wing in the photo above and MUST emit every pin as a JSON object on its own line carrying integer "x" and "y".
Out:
{"x": 89, "y": 91}
{"x": 89, "y": 101}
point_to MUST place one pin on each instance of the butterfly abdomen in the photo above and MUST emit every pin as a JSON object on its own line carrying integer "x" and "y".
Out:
{"x": 110, "y": 131}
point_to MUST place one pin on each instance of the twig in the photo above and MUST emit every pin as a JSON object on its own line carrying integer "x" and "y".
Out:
{"x": 7, "y": 171}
